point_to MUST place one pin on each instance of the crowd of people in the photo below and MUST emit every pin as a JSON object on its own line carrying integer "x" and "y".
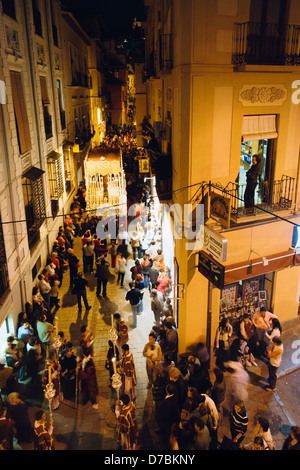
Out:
{"x": 189, "y": 399}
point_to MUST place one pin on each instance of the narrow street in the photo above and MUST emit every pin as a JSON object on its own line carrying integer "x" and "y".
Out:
{"x": 86, "y": 428}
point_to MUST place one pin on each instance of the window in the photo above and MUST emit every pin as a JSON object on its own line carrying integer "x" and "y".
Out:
{"x": 20, "y": 112}
{"x": 4, "y": 282}
{"x": 34, "y": 203}
{"x": 37, "y": 18}
{"x": 46, "y": 104}
{"x": 8, "y": 7}
{"x": 55, "y": 177}
{"x": 61, "y": 105}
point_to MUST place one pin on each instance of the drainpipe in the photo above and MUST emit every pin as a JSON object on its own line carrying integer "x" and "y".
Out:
{"x": 297, "y": 187}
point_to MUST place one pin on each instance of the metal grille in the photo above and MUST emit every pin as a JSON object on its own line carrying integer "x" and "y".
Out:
{"x": 4, "y": 282}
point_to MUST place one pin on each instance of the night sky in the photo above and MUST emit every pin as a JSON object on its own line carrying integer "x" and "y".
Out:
{"x": 113, "y": 17}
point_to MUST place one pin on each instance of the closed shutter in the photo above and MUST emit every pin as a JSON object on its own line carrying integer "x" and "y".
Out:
{"x": 44, "y": 91}
{"x": 20, "y": 112}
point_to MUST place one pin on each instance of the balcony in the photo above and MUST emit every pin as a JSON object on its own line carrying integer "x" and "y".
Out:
{"x": 266, "y": 44}
{"x": 159, "y": 60}
{"x": 279, "y": 196}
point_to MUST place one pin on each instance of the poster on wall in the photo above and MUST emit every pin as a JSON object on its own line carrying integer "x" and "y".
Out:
{"x": 229, "y": 294}
{"x": 250, "y": 290}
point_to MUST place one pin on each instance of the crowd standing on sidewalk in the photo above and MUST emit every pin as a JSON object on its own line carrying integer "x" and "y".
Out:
{"x": 188, "y": 403}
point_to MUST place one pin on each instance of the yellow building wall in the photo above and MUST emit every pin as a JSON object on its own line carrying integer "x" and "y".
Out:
{"x": 286, "y": 293}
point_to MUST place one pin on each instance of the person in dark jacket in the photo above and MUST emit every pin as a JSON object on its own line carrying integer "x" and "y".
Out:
{"x": 252, "y": 175}
{"x": 134, "y": 297}
{"x": 73, "y": 265}
{"x": 102, "y": 276}
{"x": 168, "y": 412}
{"x": 80, "y": 284}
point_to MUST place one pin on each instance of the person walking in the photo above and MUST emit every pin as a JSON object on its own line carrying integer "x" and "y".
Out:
{"x": 140, "y": 284}
{"x": 80, "y": 284}
{"x": 43, "y": 434}
{"x": 223, "y": 334}
{"x": 152, "y": 353}
{"x": 238, "y": 422}
{"x": 218, "y": 392}
{"x": 88, "y": 256}
{"x": 122, "y": 329}
{"x": 127, "y": 371}
{"x": 275, "y": 355}
{"x": 88, "y": 379}
{"x": 127, "y": 428}
{"x": 103, "y": 274}
{"x": 146, "y": 266}
{"x": 134, "y": 297}
{"x": 73, "y": 265}
{"x": 121, "y": 267}
{"x": 157, "y": 305}
{"x": 113, "y": 254}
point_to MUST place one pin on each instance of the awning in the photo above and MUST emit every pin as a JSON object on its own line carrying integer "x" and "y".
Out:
{"x": 68, "y": 143}
{"x": 54, "y": 156}
{"x": 33, "y": 173}
{"x": 259, "y": 127}
{"x": 257, "y": 267}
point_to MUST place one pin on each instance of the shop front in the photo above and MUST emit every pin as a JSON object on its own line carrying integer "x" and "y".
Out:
{"x": 251, "y": 285}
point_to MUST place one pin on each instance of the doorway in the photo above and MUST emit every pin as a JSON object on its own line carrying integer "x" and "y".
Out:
{"x": 264, "y": 148}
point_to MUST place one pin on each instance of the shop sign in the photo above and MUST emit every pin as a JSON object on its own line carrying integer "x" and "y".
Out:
{"x": 211, "y": 269}
{"x": 296, "y": 237}
{"x": 144, "y": 165}
{"x": 215, "y": 244}
{"x": 220, "y": 209}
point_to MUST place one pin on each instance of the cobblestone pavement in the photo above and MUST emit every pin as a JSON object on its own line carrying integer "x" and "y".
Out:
{"x": 86, "y": 428}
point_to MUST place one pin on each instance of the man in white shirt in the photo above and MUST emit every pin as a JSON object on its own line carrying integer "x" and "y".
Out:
{"x": 45, "y": 288}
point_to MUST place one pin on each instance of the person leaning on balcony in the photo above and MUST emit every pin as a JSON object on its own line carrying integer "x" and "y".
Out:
{"x": 251, "y": 176}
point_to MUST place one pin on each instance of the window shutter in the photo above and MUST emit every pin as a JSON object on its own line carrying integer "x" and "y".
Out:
{"x": 44, "y": 91}
{"x": 20, "y": 112}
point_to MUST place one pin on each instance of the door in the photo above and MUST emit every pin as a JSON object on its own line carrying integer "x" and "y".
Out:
{"x": 267, "y": 31}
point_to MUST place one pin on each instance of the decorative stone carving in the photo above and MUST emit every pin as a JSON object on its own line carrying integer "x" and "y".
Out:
{"x": 41, "y": 56}
{"x": 57, "y": 61}
{"x": 12, "y": 39}
{"x": 169, "y": 95}
{"x": 262, "y": 95}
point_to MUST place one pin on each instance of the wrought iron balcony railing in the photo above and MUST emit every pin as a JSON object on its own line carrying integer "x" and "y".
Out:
{"x": 266, "y": 44}
{"x": 277, "y": 196}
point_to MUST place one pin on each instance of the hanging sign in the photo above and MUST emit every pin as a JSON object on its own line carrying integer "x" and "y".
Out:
{"x": 220, "y": 209}
{"x": 211, "y": 269}
{"x": 215, "y": 244}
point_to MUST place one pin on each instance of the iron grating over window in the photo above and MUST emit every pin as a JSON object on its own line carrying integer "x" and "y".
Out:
{"x": 4, "y": 281}
{"x": 34, "y": 201}
{"x": 55, "y": 175}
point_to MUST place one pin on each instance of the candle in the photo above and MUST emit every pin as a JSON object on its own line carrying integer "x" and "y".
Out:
{"x": 112, "y": 320}
{"x": 114, "y": 364}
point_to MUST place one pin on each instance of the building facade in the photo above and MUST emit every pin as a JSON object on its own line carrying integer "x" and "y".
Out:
{"x": 222, "y": 81}
{"x": 38, "y": 167}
